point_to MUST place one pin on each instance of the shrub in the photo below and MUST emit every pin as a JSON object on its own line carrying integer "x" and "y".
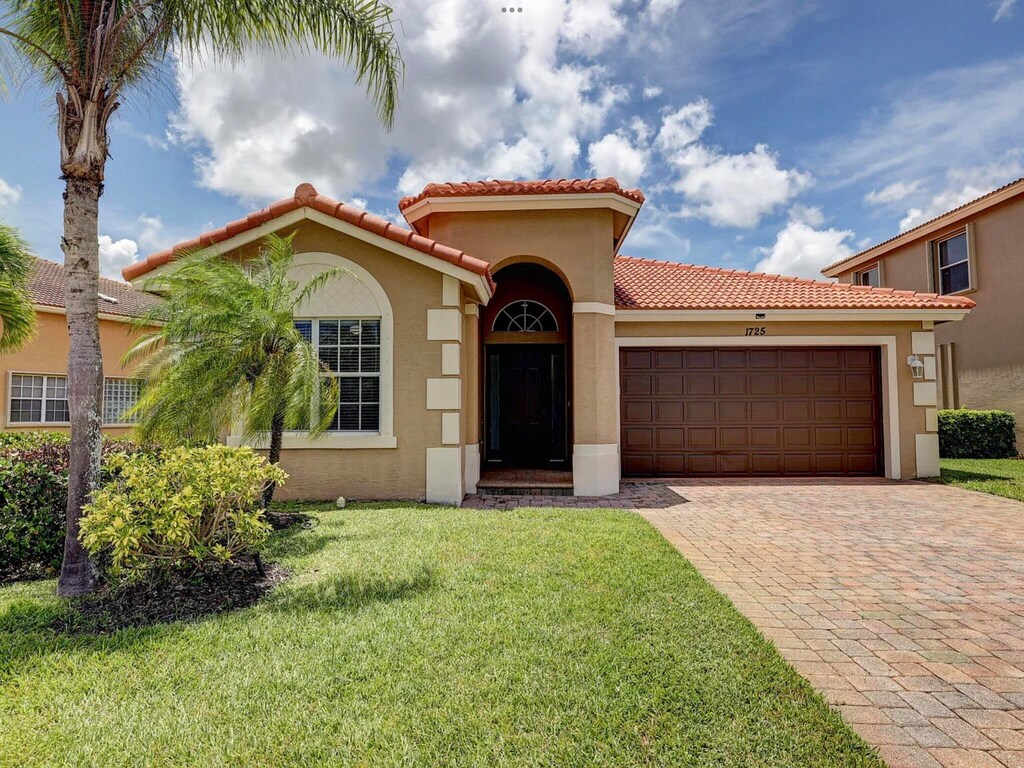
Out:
{"x": 34, "y": 497}
{"x": 186, "y": 507}
{"x": 967, "y": 434}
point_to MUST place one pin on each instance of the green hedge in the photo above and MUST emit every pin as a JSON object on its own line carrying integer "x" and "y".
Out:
{"x": 34, "y": 496}
{"x": 967, "y": 434}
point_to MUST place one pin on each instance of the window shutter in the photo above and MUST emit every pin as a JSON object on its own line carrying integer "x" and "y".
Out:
{"x": 972, "y": 261}
{"x": 929, "y": 260}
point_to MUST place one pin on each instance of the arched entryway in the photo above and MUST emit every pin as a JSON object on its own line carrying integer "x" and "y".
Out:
{"x": 526, "y": 331}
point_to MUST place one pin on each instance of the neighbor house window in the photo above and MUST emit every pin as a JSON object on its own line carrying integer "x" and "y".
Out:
{"x": 38, "y": 399}
{"x": 871, "y": 276}
{"x": 119, "y": 397}
{"x": 350, "y": 350}
{"x": 954, "y": 267}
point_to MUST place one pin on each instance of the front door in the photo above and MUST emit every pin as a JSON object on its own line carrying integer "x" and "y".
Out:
{"x": 526, "y": 406}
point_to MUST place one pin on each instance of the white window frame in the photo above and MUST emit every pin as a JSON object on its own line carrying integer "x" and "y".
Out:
{"x": 966, "y": 233}
{"x": 42, "y": 413}
{"x": 876, "y": 268}
{"x": 10, "y": 423}
{"x": 315, "y": 326}
{"x": 540, "y": 316}
{"x": 385, "y": 437}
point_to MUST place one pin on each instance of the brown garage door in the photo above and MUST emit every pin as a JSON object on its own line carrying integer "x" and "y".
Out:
{"x": 759, "y": 411}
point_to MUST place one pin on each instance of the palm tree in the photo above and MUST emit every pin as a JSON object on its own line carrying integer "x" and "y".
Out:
{"x": 226, "y": 351}
{"x": 93, "y": 54}
{"x": 17, "y": 315}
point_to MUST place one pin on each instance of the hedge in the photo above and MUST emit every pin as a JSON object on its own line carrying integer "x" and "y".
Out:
{"x": 34, "y": 496}
{"x": 967, "y": 434}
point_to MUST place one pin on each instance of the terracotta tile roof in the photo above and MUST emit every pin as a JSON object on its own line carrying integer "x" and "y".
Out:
{"x": 307, "y": 196}
{"x": 46, "y": 286}
{"x": 649, "y": 284}
{"x": 508, "y": 187}
{"x": 951, "y": 215}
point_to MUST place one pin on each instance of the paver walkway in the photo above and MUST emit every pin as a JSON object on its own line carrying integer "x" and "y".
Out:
{"x": 902, "y": 602}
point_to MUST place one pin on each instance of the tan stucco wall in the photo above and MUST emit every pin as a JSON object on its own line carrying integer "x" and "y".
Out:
{"x": 912, "y": 418}
{"x": 379, "y": 473}
{"x": 48, "y": 353}
{"x": 989, "y": 344}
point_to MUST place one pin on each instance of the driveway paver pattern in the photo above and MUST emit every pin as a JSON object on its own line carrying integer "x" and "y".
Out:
{"x": 903, "y": 603}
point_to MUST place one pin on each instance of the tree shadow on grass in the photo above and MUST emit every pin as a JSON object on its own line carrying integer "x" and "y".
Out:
{"x": 964, "y": 475}
{"x": 352, "y": 591}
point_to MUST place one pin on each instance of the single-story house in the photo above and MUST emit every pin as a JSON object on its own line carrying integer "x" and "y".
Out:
{"x": 503, "y": 330}
{"x": 33, "y": 380}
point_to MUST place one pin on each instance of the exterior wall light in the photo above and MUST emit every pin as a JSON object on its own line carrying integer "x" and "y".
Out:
{"x": 916, "y": 366}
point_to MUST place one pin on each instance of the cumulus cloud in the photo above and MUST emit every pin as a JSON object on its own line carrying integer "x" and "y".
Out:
{"x": 651, "y": 92}
{"x": 486, "y": 95}
{"x": 115, "y": 255}
{"x": 615, "y": 155}
{"x": 734, "y": 190}
{"x": 894, "y": 193}
{"x": 9, "y": 194}
{"x": 802, "y": 248}
{"x": 684, "y": 126}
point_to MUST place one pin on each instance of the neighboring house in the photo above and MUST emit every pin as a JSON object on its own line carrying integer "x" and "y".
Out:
{"x": 976, "y": 250}
{"x": 503, "y": 330}
{"x": 33, "y": 380}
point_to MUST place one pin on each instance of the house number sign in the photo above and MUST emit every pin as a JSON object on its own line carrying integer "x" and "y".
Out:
{"x": 756, "y": 330}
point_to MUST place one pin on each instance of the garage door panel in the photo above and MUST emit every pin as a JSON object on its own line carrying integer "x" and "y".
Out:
{"x": 757, "y": 411}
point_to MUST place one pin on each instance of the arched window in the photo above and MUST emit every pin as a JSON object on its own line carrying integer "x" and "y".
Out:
{"x": 524, "y": 316}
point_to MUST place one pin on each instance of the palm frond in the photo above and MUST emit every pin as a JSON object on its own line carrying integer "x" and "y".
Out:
{"x": 17, "y": 315}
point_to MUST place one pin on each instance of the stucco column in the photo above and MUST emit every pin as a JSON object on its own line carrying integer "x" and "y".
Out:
{"x": 471, "y": 402}
{"x": 595, "y": 452}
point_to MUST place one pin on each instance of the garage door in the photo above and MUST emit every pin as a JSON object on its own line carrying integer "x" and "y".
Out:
{"x": 759, "y": 411}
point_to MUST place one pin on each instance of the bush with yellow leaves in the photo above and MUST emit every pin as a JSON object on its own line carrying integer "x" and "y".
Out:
{"x": 187, "y": 506}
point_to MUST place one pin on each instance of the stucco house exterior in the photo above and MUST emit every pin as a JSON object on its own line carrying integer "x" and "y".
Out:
{"x": 33, "y": 380}
{"x": 976, "y": 250}
{"x": 502, "y": 329}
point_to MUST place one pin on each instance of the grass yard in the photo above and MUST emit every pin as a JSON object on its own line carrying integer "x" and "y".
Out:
{"x": 1002, "y": 477}
{"x": 414, "y": 635}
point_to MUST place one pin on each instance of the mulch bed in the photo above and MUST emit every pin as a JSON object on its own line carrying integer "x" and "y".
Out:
{"x": 171, "y": 598}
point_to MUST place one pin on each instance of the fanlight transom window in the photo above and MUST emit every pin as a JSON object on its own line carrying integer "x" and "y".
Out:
{"x": 525, "y": 316}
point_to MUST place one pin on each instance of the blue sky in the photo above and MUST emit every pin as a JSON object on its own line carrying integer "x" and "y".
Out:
{"x": 774, "y": 135}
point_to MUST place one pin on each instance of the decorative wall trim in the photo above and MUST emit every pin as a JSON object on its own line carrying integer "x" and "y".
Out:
{"x": 784, "y": 315}
{"x": 472, "y": 464}
{"x": 593, "y": 307}
{"x": 331, "y": 441}
{"x": 450, "y": 359}
{"x": 444, "y": 476}
{"x": 444, "y": 325}
{"x": 450, "y": 432}
{"x": 925, "y": 393}
{"x": 922, "y": 342}
{"x": 444, "y": 394}
{"x": 595, "y": 469}
{"x": 927, "y": 455}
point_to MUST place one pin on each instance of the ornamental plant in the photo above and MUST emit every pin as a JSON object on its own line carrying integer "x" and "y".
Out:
{"x": 189, "y": 507}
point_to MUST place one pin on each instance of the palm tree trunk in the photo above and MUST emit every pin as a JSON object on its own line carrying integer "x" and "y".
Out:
{"x": 274, "y": 456}
{"x": 85, "y": 372}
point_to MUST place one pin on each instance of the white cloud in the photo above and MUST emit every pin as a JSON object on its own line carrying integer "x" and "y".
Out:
{"x": 734, "y": 190}
{"x": 115, "y": 255}
{"x": 683, "y": 127}
{"x": 931, "y": 125}
{"x": 1004, "y": 9}
{"x": 894, "y": 193}
{"x": 9, "y": 194}
{"x": 962, "y": 186}
{"x": 651, "y": 92}
{"x": 615, "y": 155}
{"x": 801, "y": 249}
{"x": 486, "y": 95}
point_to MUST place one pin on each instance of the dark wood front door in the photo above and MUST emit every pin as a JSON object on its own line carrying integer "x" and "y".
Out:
{"x": 760, "y": 411}
{"x": 526, "y": 406}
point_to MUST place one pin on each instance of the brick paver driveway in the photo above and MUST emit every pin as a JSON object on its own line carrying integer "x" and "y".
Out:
{"x": 902, "y": 602}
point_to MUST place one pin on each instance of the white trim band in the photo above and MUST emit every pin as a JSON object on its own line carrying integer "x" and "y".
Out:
{"x": 592, "y": 308}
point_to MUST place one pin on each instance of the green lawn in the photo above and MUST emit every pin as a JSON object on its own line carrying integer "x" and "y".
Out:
{"x": 1003, "y": 477}
{"x": 415, "y": 635}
